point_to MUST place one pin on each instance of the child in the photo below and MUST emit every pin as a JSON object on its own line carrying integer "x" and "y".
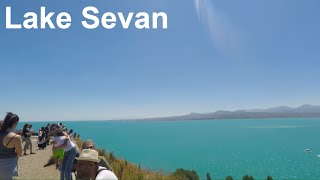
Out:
{"x": 58, "y": 154}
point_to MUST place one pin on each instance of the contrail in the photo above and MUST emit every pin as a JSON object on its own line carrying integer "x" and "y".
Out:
{"x": 221, "y": 31}
{"x": 197, "y": 5}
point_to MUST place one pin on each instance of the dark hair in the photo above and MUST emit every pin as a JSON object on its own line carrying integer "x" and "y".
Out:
{"x": 71, "y": 131}
{"x": 9, "y": 121}
{"x": 59, "y": 133}
{"x": 25, "y": 126}
{"x": 1, "y": 123}
{"x": 54, "y": 125}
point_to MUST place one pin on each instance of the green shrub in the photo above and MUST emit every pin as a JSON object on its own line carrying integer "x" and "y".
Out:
{"x": 186, "y": 174}
{"x": 229, "y": 178}
{"x": 269, "y": 178}
{"x": 208, "y": 176}
{"x": 246, "y": 177}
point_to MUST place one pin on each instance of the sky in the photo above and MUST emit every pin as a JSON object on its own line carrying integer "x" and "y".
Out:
{"x": 215, "y": 54}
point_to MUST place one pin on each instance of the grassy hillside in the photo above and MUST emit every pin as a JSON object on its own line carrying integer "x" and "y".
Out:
{"x": 125, "y": 170}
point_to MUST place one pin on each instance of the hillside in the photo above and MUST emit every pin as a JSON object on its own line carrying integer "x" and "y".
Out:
{"x": 304, "y": 111}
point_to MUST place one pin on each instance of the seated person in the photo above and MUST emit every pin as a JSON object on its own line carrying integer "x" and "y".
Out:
{"x": 42, "y": 142}
{"x": 88, "y": 168}
{"x": 88, "y": 144}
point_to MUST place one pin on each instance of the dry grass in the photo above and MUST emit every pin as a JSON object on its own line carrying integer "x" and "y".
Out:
{"x": 125, "y": 170}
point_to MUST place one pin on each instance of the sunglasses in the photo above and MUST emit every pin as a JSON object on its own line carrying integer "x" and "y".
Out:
{"x": 90, "y": 147}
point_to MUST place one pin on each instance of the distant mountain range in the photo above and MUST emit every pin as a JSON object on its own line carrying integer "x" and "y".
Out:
{"x": 304, "y": 111}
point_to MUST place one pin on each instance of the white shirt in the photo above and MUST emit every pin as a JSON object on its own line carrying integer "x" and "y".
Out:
{"x": 106, "y": 175}
{"x": 59, "y": 140}
{"x": 70, "y": 145}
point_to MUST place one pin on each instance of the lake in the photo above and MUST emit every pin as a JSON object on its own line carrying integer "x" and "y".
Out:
{"x": 257, "y": 147}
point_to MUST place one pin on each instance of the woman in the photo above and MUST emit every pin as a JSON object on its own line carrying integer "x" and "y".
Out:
{"x": 10, "y": 147}
{"x": 70, "y": 152}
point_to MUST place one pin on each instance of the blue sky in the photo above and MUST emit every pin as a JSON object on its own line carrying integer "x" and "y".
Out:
{"x": 215, "y": 54}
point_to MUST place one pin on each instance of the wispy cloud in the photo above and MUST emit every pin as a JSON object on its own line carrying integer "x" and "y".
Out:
{"x": 223, "y": 34}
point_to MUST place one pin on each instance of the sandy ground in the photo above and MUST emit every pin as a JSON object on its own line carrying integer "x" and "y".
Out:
{"x": 32, "y": 166}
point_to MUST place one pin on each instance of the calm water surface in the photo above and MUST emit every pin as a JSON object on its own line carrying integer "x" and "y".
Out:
{"x": 257, "y": 147}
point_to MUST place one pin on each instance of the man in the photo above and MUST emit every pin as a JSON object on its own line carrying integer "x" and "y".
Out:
{"x": 27, "y": 132}
{"x": 88, "y": 168}
{"x": 89, "y": 144}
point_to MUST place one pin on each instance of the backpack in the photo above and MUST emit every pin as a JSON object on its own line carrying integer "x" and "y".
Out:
{"x": 102, "y": 169}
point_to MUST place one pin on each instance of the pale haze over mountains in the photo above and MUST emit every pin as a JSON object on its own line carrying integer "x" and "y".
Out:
{"x": 304, "y": 111}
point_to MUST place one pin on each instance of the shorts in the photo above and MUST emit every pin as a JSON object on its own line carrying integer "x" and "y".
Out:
{"x": 58, "y": 154}
{"x": 8, "y": 168}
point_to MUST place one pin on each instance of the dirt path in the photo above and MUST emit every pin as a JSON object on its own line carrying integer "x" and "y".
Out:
{"x": 32, "y": 166}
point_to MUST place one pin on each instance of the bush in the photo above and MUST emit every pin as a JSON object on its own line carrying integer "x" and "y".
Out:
{"x": 229, "y": 178}
{"x": 269, "y": 178}
{"x": 246, "y": 177}
{"x": 186, "y": 174}
{"x": 208, "y": 176}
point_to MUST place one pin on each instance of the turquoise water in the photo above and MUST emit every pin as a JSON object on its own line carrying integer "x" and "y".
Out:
{"x": 258, "y": 147}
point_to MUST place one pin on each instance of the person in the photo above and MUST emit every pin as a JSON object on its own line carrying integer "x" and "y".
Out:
{"x": 42, "y": 142}
{"x": 42, "y": 139}
{"x": 70, "y": 133}
{"x": 27, "y": 134}
{"x": 70, "y": 152}
{"x": 10, "y": 147}
{"x": 89, "y": 144}
{"x": 31, "y": 129}
{"x": 88, "y": 168}
{"x": 23, "y": 130}
{"x": 58, "y": 153}
{"x": 46, "y": 134}
{"x": 40, "y": 131}
{"x": 1, "y": 123}
{"x": 47, "y": 127}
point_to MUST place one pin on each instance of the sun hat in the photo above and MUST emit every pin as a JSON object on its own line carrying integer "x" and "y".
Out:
{"x": 89, "y": 155}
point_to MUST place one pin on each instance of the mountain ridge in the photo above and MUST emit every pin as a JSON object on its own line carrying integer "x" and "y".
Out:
{"x": 304, "y": 111}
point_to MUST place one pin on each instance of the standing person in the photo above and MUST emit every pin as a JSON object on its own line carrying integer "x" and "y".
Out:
{"x": 23, "y": 130}
{"x": 10, "y": 147}
{"x": 70, "y": 134}
{"x": 1, "y": 123}
{"x": 47, "y": 134}
{"x": 69, "y": 153}
{"x": 58, "y": 153}
{"x": 31, "y": 129}
{"x": 27, "y": 134}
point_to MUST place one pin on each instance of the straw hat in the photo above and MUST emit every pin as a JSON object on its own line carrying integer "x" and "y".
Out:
{"x": 89, "y": 155}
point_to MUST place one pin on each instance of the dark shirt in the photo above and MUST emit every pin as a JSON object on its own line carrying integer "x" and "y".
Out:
{"x": 25, "y": 131}
{"x": 4, "y": 151}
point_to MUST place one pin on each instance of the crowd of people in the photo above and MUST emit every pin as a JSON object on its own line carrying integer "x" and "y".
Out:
{"x": 84, "y": 162}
